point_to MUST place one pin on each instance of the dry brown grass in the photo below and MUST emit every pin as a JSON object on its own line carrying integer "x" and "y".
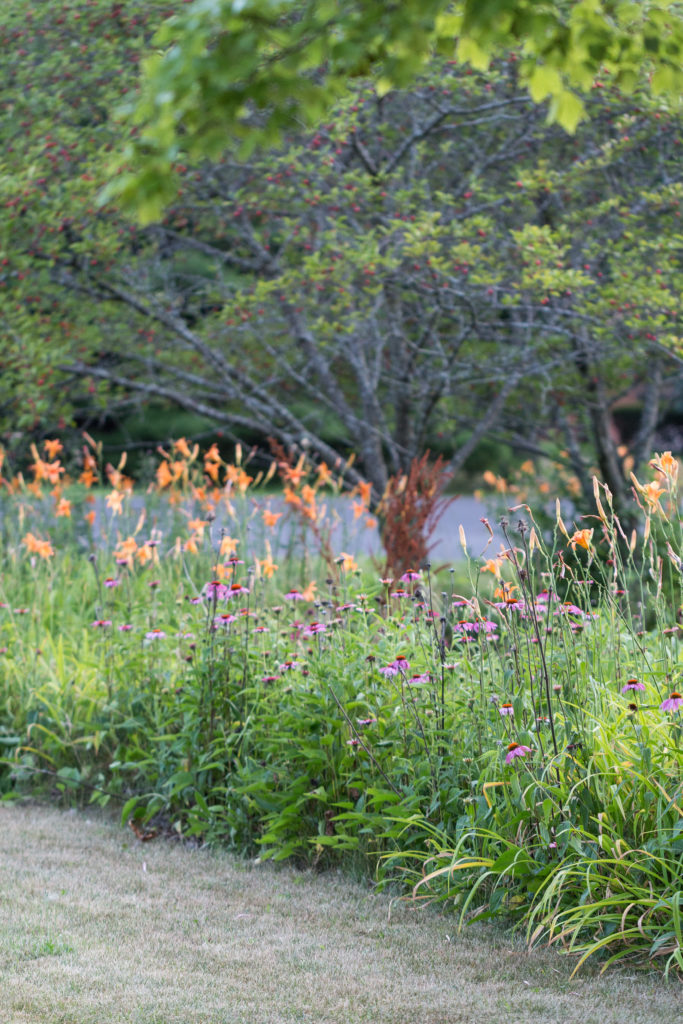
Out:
{"x": 98, "y": 927}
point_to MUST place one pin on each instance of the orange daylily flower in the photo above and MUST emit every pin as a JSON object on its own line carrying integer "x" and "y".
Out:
{"x": 270, "y": 518}
{"x": 291, "y": 498}
{"x": 491, "y": 565}
{"x": 183, "y": 447}
{"x": 581, "y": 539}
{"x": 37, "y": 546}
{"x": 114, "y": 502}
{"x": 52, "y": 448}
{"x": 347, "y": 562}
{"x": 294, "y": 474}
{"x": 211, "y": 470}
{"x": 365, "y": 491}
{"x": 266, "y": 565}
{"x": 164, "y": 475}
{"x": 666, "y": 464}
{"x": 197, "y": 526}
{"x": 228, "y": 545}
{"x": 191, "y": 544}
{"x": 90, "y": 517}
{"x": 324, "y": 474}
{"x": 652, "y": 492}
{"x": 49, "y": 471}
{"x": 506, "y": 592}
{"x": 145, "y": 554}
{"x": 243, "y": 481}
{"x": 87, "y": 477}
{"x": 371, "y": 523}
{"x": 63, "y": 508}
{"x": 309, "y": 593}
{"x": 126, "y": 549}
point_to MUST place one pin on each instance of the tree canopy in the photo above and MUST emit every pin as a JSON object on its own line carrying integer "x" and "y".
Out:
{"x": 238, "y": 73}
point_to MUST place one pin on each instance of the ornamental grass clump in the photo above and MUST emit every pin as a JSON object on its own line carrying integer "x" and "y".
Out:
{"x": 505, "y": 739}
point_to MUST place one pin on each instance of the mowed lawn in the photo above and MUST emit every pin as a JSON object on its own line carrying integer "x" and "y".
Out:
{"x": 96, "y": 926}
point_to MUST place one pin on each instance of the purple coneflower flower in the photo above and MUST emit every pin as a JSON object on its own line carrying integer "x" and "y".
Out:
{"x": 225, "y": 619}
{"x": 125, "y": 627}
{"x": 353, "y": 743}
{"x": 409, "y": 575}
{"x": 673, "y": 702}
{"x": 506, "y": 709}
{"x": 400, "y": 592}
{"x": 294, "y": 595}
{"x": 111, "y": 582}
{"x": 155, "y": 634}
{"x": 632, "y": 684}
{"x": 216, "y": 590}
{"x": 366, "y": 721}
{"x": 101, "y": 623}
{"x": 236, "y": 588}
{"x": 388, "y": 670}
{"x": 416, "y": 680}
{"x": 516, "y": 750}
{"x": 315, "y": 627}
{"x": 287, "y": 666}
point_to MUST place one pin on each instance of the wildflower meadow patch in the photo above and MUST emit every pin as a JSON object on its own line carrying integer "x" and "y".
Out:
{"x": 505, "y": 738}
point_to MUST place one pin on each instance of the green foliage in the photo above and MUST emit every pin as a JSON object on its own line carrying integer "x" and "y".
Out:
{"x": 248, "y": 71}
{"x": 512, "y": 749}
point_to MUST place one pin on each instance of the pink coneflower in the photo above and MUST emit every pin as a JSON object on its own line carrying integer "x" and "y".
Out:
{"x": 516, "y": 750}
{"x": 506, "y": 709}
{"x": 400, "y": 592}
{"x": 101, "y": 623}
{"x": 388, "y": 670}
{"x": 353, "y": 743}
{"x": 216, "y": 590}
{"x": 387, "y": 580}
{"x": 366, "y": 721}
{"x": 269, "y": 679}
{"x": 632, "y": 684}
{"x": 409, "y": 575}
{"x": 261, "y": 629}
{"x": 233, "y": 562}
{"x": 236, "y": 588}
{"x": 416, "y": 680}
{"x": 153, "y": 584}
{"x": 315, "y": 627}
{"x": 125, "y": 627}
{"x": 402, "y": 663}
{"x": 111, "y": 582}
{"x": 287, "y": 666}
{"x": 225, "y": 619}
{"x": 155, "y": 634}
{"x": 673, "y": 702}
{"x": 294, "y": 595}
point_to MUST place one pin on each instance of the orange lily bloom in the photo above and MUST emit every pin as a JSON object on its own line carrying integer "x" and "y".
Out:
{"x": 114, "y": 502}
{"x": 52, "y": 448}
{"x": 270, "y": 518}
{"x": 581, "y": 539}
